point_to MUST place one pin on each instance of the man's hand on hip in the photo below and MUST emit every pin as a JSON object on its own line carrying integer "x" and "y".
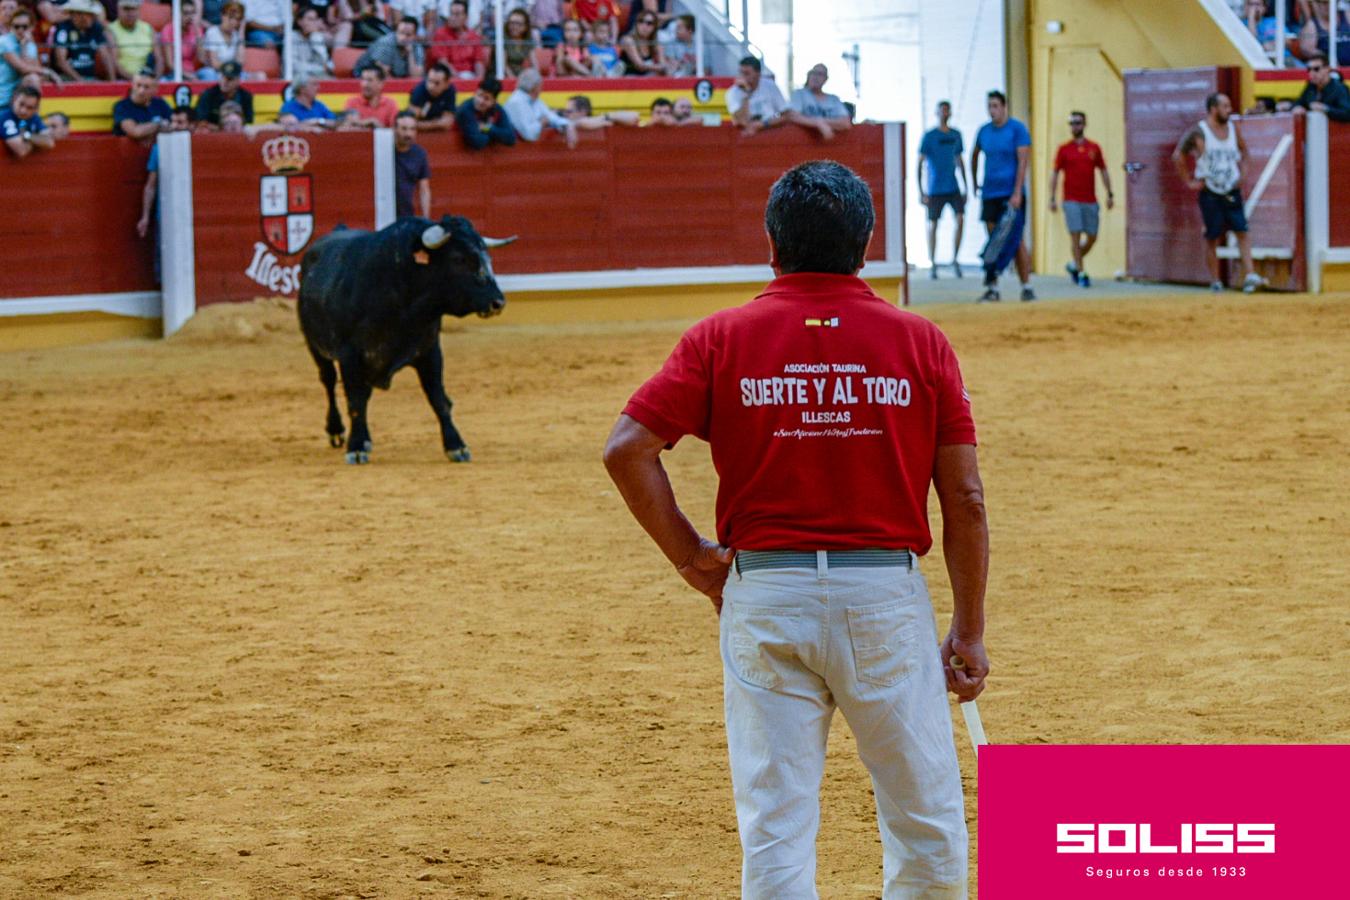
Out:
{"x": 706, "y": 570}
{"x": 967, "y": 682}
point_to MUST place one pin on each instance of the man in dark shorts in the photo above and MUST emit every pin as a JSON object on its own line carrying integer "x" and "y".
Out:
{"x": 1006, "y": 145}
{"x": 829, "y": 412}
{"x": 941, "y": 154}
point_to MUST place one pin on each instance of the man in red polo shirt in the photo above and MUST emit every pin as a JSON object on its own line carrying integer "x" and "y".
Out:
{"x": 459, "y": 46}
{"x": 1080, "y": 160}
{"x": 829, "y": 412}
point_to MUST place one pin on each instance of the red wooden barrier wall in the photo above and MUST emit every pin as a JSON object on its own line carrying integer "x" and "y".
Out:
{"x": 1277, "y": 221}
{"x": 69, "y": 222}
{"x": 637, "y": 198}
{"x": 1339, "y": 155}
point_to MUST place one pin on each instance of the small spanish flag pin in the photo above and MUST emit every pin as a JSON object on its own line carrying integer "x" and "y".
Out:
{"x": 823, "y": 323}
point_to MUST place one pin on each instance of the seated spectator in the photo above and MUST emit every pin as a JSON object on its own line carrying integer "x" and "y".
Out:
{"x": 21, "y": 127}
{"x": 265, "y": 23}
{"x": 655, "y": 7}
{"x": 412, "y": 169}
{"x": 228, "y": 90}
{"x": 458, "y": 46}
{"x": 518, "y": 45}
{"x": 335, "y": 19}
{"x": 573, "y": 59}
{"x": 640, "y": 50}
{"x": 754, "y": 101}
{"x": 433, "y": 101}
{"x": 19, "y": 56}
{"x": 7, "y": 10}
{"x": 141, "y": 115}
{"x": 188, "y": 40}
{"x": 1323, "y": 92}
{"x": 58, "y": 123}
{"x": 530, "y": 116}
{"x": 222, "y": 43}
{"x": 592, "y": 12}
{"x": 305, "y": 107}
{"x": 548, "y": 17}
{"x": 683, "y": 112}
{"x": 811, "y": 107}
{"x": 133, "y": 42}
{"x": 605, "y": 59}
{"x": 481, "y": 121}
{"x": 232, "y": 120}
{"x": 309, "y": 47}
{"x": 79, "y": 42}
{"x": 580, "y": 113}
{"x": 397, "y": 55}
{"x": 1316, "y": 34}
{"x": 1264, "y": 106}
{"x": 371, "y": 109}
{"x": 183, "y": 118}
{"x": 662, "y": 113}
{"x": 367, "y": 26}
{"x": 681, "y": 55}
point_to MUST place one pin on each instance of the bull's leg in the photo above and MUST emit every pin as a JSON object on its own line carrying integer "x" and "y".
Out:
{"x": 328, "y": 375}
{"x": 430, "y": 371}
{"x": 357, "y": 389}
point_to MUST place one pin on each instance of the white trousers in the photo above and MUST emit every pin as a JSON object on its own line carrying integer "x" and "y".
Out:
{"x": 798, "y": 642}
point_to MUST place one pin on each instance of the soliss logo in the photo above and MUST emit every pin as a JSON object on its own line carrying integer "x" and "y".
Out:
{"x": 1136, "y": 838}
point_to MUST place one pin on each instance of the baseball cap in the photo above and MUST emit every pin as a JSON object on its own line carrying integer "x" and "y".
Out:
{"x": 231, "y": 69}
{"x": 128, "y": 3}
{"x": 83, "y": 6}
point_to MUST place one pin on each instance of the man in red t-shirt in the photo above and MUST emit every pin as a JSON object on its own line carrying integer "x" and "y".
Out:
{"x": 1080, "y": 160}
{"x": 370, "y": 108}
{"x": 829, "y": 412}
{"x": 459, "y": 46}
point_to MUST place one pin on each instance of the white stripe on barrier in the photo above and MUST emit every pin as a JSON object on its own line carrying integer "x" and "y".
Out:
{"x": 689, "y": 276}
{"x": 139, "y": 304}
{"x": 386, "y": 209}
{"x": 177, "y": 243}
{"x": 1316, "y": 197}
{"x": 893, "y": 210}
{"x": 1268, "y": 173}
{"x": 1257, "y": 253}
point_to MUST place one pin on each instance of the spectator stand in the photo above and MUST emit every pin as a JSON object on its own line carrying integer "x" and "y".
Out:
{"x": 89, "y": 104}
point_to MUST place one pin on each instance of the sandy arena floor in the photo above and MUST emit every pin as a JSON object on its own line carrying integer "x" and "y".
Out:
{"x": 232, "y": 666}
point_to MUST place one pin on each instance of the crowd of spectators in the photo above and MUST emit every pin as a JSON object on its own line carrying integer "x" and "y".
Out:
{"x": 1307, "y": 27}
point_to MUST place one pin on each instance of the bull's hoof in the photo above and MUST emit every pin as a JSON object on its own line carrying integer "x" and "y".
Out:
{"x": 460, "y": 455}
{"x": 358, "y": 457}
{"x": 336, "y": 440}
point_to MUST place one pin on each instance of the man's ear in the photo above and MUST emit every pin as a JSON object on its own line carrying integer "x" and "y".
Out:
{"x": 866, "y": 249}
{"x": 773, "y": 255}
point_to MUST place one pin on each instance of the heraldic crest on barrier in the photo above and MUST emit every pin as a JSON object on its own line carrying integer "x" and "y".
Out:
{"x": 286, "y": 197}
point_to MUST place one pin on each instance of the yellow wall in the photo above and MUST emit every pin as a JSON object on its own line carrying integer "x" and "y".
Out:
{"x": 1082, "y": 68}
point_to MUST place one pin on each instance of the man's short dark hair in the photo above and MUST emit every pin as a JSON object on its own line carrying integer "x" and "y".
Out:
{"x": 1213, "y": 100}
{"x": 1078, "y": 114}
{"x": 187, "y": 111}
{"x": 405, "y": 114}
{"x": 1318, "y": 56}
{"x": 490, "y": 85}
{"x": 661, "y": 101}
{"x": 377, "y": 71}
{"x": 463, "y": 3}
{"x": 820, "y": 217}
{"x": 442, "y": 68}
{"x": 946, "y": 103}
{"x": 753, "y": 63}
{"x": 688, "y": 21}
{"x": 997, "y": 95}
{"x": 411, "y": 21}
{"x": 583, "y": 103}
{"x": 59, "y": 116}
{"x": 27, "y": 90}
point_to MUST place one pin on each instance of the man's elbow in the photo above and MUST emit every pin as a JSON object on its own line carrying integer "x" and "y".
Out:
{"x": 965, "y": 506}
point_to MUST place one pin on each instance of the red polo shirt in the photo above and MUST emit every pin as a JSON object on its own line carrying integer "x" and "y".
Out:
{"x": 1079, "y": 163}
{"x": 824, "y": 405}
{"x": 384, "y": 111}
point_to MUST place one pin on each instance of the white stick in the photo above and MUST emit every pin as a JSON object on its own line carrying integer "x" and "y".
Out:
{"x": 971, "y": 713}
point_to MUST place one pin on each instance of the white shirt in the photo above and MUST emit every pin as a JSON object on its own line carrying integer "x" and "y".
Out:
{"x": 765, "y": 103}
{"x": 309, "y": 56}
{"x": 265, "y": 12}
{"x": 526, "y": 112}
{"x": 1217, "y": 167}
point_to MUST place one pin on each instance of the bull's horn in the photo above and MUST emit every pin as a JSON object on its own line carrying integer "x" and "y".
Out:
{"x": 499, "y": 242}
{"x": 435, "y": 237}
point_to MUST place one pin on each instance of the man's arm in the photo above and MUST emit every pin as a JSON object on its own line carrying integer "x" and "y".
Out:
{"x": 974, "y": 183}
{"x": 424, "y": 195}
{"x": 147, "y": 203}
{"x": 633, "y": 459}
{"x": 501, "y": 131}
{"x": 1192, "y": 142}
{"x": 1054, "y": 186}
{"x": 18, "y": 146}
{"x": 1023, "y": 165}
{"x": 1242, "y": 154}
{"x": 473, "y": 135}
{"x": 139, "y": 130}
{"x": 961, "y": 171}
{"x": 61, "y": 60}
{"x": 923, "y": 194}
{"x": 43, "y": 140}
{"x": 444, "y": 122}
{"x": 965, "y": 547}
{"x": 1106, "y": 183}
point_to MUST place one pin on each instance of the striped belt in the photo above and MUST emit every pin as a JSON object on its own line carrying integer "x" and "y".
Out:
{"x": 750, "y": 560}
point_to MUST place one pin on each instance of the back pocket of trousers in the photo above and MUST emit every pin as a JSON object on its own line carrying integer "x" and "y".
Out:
{"x": 883, "y": 639}
{"x": 762, "y": 643}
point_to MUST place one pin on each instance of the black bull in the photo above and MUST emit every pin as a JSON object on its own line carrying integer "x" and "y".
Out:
{"x": 371, "y": 303}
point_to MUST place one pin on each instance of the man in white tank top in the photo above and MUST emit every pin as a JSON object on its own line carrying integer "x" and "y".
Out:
{"x": 1219, "y": 151}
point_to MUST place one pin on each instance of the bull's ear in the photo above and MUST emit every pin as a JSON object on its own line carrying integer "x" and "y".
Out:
{"x": 434, "y": 237}
{"x": 491, "y": 242}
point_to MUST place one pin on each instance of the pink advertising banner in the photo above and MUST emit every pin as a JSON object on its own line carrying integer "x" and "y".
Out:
{"x": 1229, "y": 822}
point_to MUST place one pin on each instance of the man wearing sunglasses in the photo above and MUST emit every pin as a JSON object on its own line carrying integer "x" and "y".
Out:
{"x": 1324, "y": 93}
{"x": 19, "y": 56}
{"x": 1080, "y": 160}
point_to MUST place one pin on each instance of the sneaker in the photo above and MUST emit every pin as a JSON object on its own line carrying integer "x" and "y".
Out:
{"x": 933, "y": 273}
{"x": 1028, "y": 295}
{"x": 956, "y": 267}
{"x": 1084, "y": 280}
{"x": 1072, "y": 270}
{"x": 990, "y": 295}
{"x": 1216, "y": 286}
{"x": 1252, "y": 283}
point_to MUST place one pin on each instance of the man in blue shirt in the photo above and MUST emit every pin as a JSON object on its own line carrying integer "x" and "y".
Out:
{"x": 1006, "y": 144}
{"x": 140, "y": 115}
{"x": 481, "y": 120}
{"x": 433, "y": 101}
{"x": 941, "y": 153}
{"x": 21, "y": 128}
{"x": 306, "y": 107}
